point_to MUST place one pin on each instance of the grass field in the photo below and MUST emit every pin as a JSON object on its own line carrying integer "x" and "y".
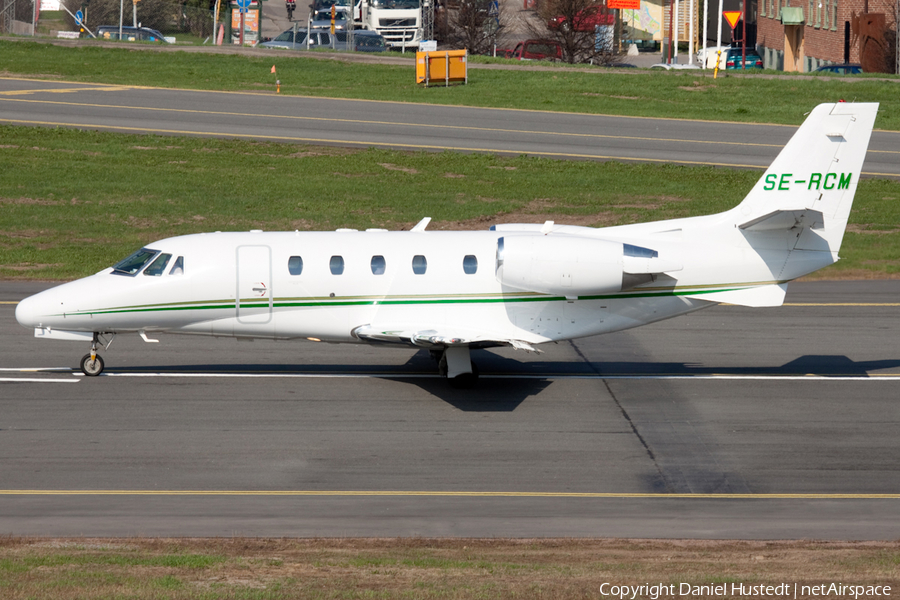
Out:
{"x": 75, "y": 202}
{"x": 256, "y": 569}
{"x": 760, "y": 98}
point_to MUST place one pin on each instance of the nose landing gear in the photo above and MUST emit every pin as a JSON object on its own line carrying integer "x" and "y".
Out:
{"x": 92, "y": 363}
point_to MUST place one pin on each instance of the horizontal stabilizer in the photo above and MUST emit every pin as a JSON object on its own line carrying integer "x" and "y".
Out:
{"x": 786, "y": 219}
{"x": 764, "y": 295}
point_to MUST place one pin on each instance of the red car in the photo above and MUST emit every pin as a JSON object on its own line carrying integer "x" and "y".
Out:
{"x": 586, "y": 19}
{"x": 536, "y": 50}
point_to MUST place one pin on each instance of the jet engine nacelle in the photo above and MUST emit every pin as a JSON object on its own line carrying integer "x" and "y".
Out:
{"x": 560, "y": 265}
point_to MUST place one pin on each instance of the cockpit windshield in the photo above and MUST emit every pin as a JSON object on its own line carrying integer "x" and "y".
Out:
{"x": 132, "y": 265}
{"x": 158, "y": 266}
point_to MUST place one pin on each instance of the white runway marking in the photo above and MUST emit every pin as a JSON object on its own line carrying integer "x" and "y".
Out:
{"x": 36, "y": 380}
{"x": 37, "y": 369}
{"x": 511, "y": 376}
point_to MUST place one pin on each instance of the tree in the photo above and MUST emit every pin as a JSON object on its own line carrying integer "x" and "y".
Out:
{"x": 474, "y": 25}
{"x": 584, "y": 29}
{"x": 163, "y": 15}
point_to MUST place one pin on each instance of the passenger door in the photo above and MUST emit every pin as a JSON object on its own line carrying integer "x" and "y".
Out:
{"x": 254, "y": 297}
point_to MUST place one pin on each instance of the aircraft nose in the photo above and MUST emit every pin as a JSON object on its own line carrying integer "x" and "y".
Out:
{"x": 38, "y": 310}
{"x": 30, "y": 311}
{"x": 27, "y": 312}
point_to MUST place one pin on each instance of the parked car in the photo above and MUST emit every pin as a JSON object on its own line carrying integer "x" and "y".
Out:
{"x": 322, "y": 18}
{"x": 752, "y": 60}
{"x": 707, "y": 59}
{"x": 536, "y": 50}
{"x": 586, "y": 19}
{"x": 673, "y": 66}
{"x": 845, "y": 69}
{"x": 288, "y": 39}
{"x": 363, "y": 40}
{"x": 131, "y": 34}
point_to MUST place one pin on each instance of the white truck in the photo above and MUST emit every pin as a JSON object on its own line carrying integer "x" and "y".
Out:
{"x": 398, "y": 21}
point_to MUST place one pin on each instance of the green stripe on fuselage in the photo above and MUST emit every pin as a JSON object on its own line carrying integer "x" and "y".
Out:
{"x": 318, "y": 301}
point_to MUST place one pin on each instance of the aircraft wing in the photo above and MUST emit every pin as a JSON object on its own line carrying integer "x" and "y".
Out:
{"x": 428, "y": 337}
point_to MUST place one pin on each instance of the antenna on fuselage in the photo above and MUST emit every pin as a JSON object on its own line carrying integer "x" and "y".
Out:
{"x": 421, "y": 225}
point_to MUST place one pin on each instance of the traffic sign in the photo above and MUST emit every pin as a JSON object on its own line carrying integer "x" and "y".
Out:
{"x": 79, "y": 17}
{"x": 732, "y": 16}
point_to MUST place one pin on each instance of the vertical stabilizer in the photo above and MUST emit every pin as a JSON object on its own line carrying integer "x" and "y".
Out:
{"x": 809, "y": 188}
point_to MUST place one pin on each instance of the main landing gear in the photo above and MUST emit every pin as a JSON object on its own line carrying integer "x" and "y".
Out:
{"x": 92, "y": 363}
{"x": 455, "y": 363}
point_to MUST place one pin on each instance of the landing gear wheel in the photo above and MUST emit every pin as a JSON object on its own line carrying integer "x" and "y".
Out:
{"x": 91, "y": 368}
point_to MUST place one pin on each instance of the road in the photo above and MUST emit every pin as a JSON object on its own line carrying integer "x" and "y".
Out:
{"x": 362, "y": 123}
{"x": 727, "y": 423}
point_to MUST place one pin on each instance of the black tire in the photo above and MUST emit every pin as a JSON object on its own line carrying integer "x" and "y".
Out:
{"x": 91, "y": 368}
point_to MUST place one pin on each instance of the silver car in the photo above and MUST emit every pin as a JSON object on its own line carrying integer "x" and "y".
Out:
{"x": 363, "y": 40}
{"x": 297, "y": 40}
{"x": 321, "y": 19}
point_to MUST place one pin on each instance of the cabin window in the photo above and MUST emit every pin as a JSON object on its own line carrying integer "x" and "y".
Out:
{"x": 178, "y": 267}
{"x": 295, "y": 265}
{"x": 158, "y": 266}
{"x": 470, "y": 264}
{"x": 132, "y": 265}
{"x": 419, "y": 264}
{"x": 337, "y": 265}
{"x": 378, "y": 265}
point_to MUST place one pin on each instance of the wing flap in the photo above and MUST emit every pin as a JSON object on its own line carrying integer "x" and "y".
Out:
{"x": 427, "y": 337}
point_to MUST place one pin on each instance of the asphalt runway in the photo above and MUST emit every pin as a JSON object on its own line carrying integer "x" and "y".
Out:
{"x": 727, "y": 423}
{"x": 364, "y": 123}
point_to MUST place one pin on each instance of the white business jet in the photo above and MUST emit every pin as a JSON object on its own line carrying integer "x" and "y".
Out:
{"x": 448, "y": 292}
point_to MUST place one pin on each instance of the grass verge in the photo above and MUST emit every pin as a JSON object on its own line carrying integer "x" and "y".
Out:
{"x": 75, "y": 202}
{"x": 265, "y": 569}
{"x": 759, "y": 98}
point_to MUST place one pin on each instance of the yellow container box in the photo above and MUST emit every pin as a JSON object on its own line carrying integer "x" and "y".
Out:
{"x": 442, "y": 67}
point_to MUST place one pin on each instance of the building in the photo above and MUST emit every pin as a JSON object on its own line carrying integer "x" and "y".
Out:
{"x": 802, "y": 35}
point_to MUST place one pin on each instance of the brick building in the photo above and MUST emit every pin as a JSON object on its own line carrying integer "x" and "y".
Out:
{"x": 801, "y": 35}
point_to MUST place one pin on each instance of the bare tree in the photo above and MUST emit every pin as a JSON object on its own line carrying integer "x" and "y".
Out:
{"x": 474, "y": 25}
{"x": 583, "y": 28}
{"x": 164, "y": 15}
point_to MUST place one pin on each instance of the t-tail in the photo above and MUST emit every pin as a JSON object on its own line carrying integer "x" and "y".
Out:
{"x": 804, "y": 197}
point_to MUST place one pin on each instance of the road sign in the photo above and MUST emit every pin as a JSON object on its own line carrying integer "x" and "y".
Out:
{"x": 79, "y": 17}
{"x": 732, "y": 16}
{"x": 624, "y": 4}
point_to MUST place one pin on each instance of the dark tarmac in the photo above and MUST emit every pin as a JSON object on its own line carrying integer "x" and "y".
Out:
{"x": 727, "y": 423}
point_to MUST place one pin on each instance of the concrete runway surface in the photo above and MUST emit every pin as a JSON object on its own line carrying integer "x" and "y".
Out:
{"x": 727, "y": 423}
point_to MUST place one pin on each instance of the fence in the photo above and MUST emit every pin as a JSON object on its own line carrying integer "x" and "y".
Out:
{"x": 17, "y": 17}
